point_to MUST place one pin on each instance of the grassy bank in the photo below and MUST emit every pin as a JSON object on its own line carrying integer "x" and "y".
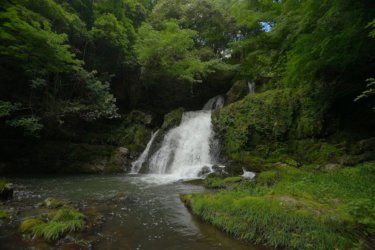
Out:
{"x": 294, "y": 208}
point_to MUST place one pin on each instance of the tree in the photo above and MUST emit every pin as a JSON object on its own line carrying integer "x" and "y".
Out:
{"x": 170, "y": 52}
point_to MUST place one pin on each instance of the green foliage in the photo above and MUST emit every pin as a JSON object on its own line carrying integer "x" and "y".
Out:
{"x": 111, "y": 39}
{"x": 42, "y": 79}
{"x": 370, "y": 91}
{"x": 95, "y": 100}
{"x": 30, "y": 125}
{"x": 28, "y": 41}
{"x": 295, "y": 209}
{"x": 6, "y": 108}
{"x": 170, "y": 52}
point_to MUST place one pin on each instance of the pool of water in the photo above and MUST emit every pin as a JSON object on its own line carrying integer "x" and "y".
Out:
{"x": 150, "y": 217}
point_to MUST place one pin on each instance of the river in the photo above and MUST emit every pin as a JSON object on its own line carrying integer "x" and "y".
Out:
{"x": 149, "y": 215}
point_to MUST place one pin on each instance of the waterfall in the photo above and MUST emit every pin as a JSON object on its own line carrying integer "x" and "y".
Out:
{"x": 251, "y": 86}
{"x": 214, "y": 103}
{"x": 185, "y": 149}
{"x": 137, "y": 165}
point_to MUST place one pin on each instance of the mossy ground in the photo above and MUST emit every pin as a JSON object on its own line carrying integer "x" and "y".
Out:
{"x": 295, "y": 208}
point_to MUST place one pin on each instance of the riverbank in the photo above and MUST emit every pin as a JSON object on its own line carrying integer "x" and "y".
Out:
{"x": 294, "y": 208}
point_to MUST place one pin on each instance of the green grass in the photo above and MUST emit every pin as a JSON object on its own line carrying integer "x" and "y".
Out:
{"x": 28, "y": 224}
{"x": 61, "y": 222}
{"x": 296, "y": 208}
{"x": 221, "y": 182}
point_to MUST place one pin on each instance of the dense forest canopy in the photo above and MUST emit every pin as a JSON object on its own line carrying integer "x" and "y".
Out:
{"x": 80, "y": 59}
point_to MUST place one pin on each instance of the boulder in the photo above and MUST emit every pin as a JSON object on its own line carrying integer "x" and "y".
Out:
{"x": 218, "y": 171}
{"x": 204, "y": 171}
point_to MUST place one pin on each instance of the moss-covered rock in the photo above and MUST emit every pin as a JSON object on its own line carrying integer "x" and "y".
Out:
{"x": 172, "y": 119}
{"x": 238, "y": 91}
{"x": 278, "y": 126}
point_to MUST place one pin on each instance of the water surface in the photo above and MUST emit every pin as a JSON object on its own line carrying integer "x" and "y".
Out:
{"x": 151, "y": 216}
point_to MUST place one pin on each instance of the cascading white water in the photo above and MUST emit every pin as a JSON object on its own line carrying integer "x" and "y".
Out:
{"x": 214, "y": 103}
{"x": 251, "y": 87}
{"x": 185, "y": 149}
{"x": 137, "y": 165}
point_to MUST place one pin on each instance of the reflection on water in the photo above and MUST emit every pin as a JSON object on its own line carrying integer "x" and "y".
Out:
{"x": 151, "y": 217}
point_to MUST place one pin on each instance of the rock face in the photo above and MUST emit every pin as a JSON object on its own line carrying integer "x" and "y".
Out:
{"x": 7, "y": 192}
{"x": 72, "y": 158}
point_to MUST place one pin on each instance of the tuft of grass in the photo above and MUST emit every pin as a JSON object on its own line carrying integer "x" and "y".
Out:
{"x": 50, "y": 231}
{"x": 62, "y": 221}
{"x": 296, "y": 208}
{"x": 28, "y": 224}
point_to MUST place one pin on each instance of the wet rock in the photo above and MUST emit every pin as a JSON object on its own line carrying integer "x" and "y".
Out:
{"x": 120, "y": 196}
{"x": 7, "y": 192}
{"x": 204, "y": 171}
{"x": 54, "y": 203}
{"x": 218, "y": 171}
{"x": 123, "y": 151}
